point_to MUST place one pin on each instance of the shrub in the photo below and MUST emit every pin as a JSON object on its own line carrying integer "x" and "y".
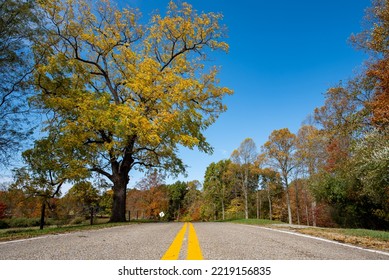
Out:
{"x": 77, "y": 221}
{"x": 24, "y": 222}
{"x": 3, "y": 224}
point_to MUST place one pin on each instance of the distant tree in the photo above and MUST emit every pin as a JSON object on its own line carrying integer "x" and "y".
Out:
{"x": 269, "y": 180}
{"x": 218, "y": 183}
{"x": 86, "y": 196}
{"x": 192, "y": 201}
{"x": 311, "y": 155}
{"x": 279, "y": 151}
{"x": 150, "y": 195}
{"x": 127, "y": 95}
{"x": 245, "y": 157}
{"x": 177, "y": 192}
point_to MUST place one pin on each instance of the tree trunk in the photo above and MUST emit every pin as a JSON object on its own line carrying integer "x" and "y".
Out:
{"x": 223, "y": 209}
{"x": 246, "y": 205}
{"x": 119, "y": 199}
{"x": 245, "y": 193}
{"x": 223, "y": 193}
{"x": 91, "y": 215}
{"x": 257, "y": 204}
{"x": 297, "y": 202}
{"x": 289, "y": 208}
{"x": 314, "y": 213}
{"x": 270, "y": 206}
{"x": 306, "y": 207}
{"x": 43, "y": 210}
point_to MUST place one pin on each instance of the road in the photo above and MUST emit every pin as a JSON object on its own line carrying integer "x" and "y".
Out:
{"x": 212, "y": 241}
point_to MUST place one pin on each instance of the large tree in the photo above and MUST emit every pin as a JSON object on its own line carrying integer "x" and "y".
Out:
{"x": 126, "y": 95}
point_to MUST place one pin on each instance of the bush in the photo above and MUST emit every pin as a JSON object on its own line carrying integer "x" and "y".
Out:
{"x": 24, "y": 222}
{"x": 77, "y": 221}
{"x": 3, "y": 224}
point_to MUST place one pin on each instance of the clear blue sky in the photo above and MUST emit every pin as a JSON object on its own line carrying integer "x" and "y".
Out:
{"x": 283, "y": 56}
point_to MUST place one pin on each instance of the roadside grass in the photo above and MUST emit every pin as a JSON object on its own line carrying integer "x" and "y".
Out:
{"x": 372, "y": 239}
{"x": 21, "y": 233}
{"x": 254, "y": 221}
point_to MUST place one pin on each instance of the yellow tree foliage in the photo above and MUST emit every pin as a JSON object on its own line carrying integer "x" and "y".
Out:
{"x": 127, "y": 95}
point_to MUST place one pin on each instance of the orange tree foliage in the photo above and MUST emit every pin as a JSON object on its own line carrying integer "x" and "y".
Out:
{"x": 375, "y": 40}
{"x": 149, "y": 198}
{"x": 3, "y": 209}
{"x": 380, "y": 103}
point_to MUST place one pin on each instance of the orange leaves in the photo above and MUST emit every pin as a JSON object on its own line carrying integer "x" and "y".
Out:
{"x": 280, "y": 146}
{"x": 380, "y": 103}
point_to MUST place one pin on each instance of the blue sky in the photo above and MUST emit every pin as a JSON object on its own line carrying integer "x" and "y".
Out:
{"x": 283, "y": 56}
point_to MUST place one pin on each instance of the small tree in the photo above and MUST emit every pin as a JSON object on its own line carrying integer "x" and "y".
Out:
{"x": 46, "y": 171}
{"x": 87, "y": 197}
{"x": 217, "y": 183}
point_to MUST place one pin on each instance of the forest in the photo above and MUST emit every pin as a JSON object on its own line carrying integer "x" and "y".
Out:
{"x": 89, "y": 94}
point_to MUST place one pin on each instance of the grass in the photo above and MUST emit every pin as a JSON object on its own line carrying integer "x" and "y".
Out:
{"x": 255, "y": 221}
{"x": 382, "y": 235}
{"x": 21, "y": 233}
{"x": 372, "y": 239}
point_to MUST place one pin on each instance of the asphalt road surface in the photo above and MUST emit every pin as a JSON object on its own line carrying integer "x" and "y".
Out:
{"x": 212, "y": 241}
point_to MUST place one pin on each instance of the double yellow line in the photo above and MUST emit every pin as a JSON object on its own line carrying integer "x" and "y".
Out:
{"x": 194, "y": 250}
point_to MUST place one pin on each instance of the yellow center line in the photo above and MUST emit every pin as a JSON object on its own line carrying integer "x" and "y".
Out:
{"x": 174, "y": 250}
{"x": 194, "y": 250}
